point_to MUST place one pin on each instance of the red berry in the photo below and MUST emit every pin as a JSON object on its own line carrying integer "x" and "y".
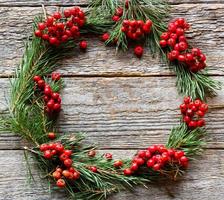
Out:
{"x": 76, "y": 175}
{"x": 148, "y": 154}
{"x": 204, "y": 107}
{"x": 59, "y": 148}
{"x": 49, "y": 21}
{"x": 157, "y": 167}
{"x": 150, "y": 163}
{"x": 182, "y": 38}
{"x": 187, "y": 119}
{"x": 47, "y": 91}
{"x": 108, "y": 156}
{"x": 115, "y": 18}
{"x": 138, "y": 160}
{"x": 175, "y": 54}
{"x": 179, "y": 154}
{"x": 181, "y": 58}
{"x": 36, "y": 78}
{"x": 171, "y": 42}
{"x": 55, "y": 95}
{"x": 148, "y": 22}
{"x": 41, "y": 26}
{"x": 93, "y": 169}
{"x": 67, "y": 13}
{"x": 63, "y": 157}
{"x": 165, "y": 36}
{"x": 127, "y": 172}
{"x": 43, "y": 147}
{"x": 152, "y": 149}
{"x": 201, "y": 122}
{"x": 196, "y": 51}
{"x": 67, "y": 152}
{"x": 50, "y": 104}
{"x": 183, "y": 159}
{"x": 187, "y": 100}
{"x": 119, "y": 11}
{"x": 163, "y": 43}
{"x": 192, "y": 124}
{"x": 197, "y": 102}
{"x": 83, "y": 44}
{"x": 67, "y": 174}
{"x": 141, "y": 154}
{"x": 138, "y": 51}
{"x": 68, "y": 163}
{"x": 118, "y": 163}
{"x": 179, "y": 31}
{"x": 183, "y": 46}
{"x": 55, "y": 76}
{"x": 172, "y": 28}
{"x": 57, "y": 107}
{"x": 47, "y": 154}
{"x": 57, "y": 15}
{"x": 59, "y": 170}
{"x": 200, "y": 113}
{"x": 56, "y": 175}
{"x": 45, "y": 37}
{"x": 92, "y": 153}
{"x": 38, "y": 33}
{"x": 105, "y": 37}
{"x": 60, "y": 183}
{"x": 134, "y": 166}
{"x": 71, "y": 169}
{"x": 53, "y": 41}
{"x": 202, "y": 57}
{"x": 189, "y": 57}
{"x": 146, "y": 28}
{"x": 51, "y": 136}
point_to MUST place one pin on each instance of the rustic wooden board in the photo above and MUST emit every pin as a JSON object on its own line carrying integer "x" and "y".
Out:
{"x": 207, "y": 22}
{"x": 85, "y": 2}
{"x": 204, "y": 179}
{"x": 124, "y": 112}
{"x": 116, "y": 107}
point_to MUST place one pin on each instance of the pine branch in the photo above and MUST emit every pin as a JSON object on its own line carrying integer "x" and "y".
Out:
{"x": 196, "y": 85}
{"x": 26, "y": 117}
{"x": 191, "y": 141}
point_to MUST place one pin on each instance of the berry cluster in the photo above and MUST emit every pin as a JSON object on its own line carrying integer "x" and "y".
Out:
{"x": 135, "y": 29}
{"x": 65, "y": 171}
{"x": 193, "y": 112}
{"x": 175, "y": 38}
{"x": 118, "y": 13}
{"x": 156, "y": 157}
{"x": 59, "y": 28}
{"x": 52, "y": 99}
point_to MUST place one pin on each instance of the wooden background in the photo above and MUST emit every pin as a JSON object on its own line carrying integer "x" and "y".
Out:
{"x": 121, "y": 102}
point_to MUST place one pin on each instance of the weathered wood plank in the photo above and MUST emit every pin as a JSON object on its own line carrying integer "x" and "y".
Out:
{"x": 84, "y": 2}
{"x": 123, "y": 112}
{"x": 207, "y": 22}
{"x": 204, "y": 180}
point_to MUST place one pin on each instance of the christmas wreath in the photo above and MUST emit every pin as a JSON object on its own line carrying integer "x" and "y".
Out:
{"x": 35, "y": 101}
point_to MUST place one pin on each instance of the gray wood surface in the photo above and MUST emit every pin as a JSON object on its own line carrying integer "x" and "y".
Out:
{"x": 122, "y": 103}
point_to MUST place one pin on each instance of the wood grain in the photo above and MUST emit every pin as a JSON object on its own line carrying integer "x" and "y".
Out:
{"x": 207, "y": 32}
{"x": 204, "y": 180}
{"x": 124, "y": 112}
{"x": 85, "y": 2}
{"x": 106, "y": 97}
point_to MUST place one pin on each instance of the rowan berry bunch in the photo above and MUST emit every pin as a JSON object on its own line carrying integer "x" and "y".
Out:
{"x": 60, "y": 27}
{"x": 157, "y": 158}
{"x": 175, "y": 39}
{"x": 193, "y": 112}
{"x": 52, "y": 99}
{"x": 136, "y": 29}
{"x": 56, "y": 151}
